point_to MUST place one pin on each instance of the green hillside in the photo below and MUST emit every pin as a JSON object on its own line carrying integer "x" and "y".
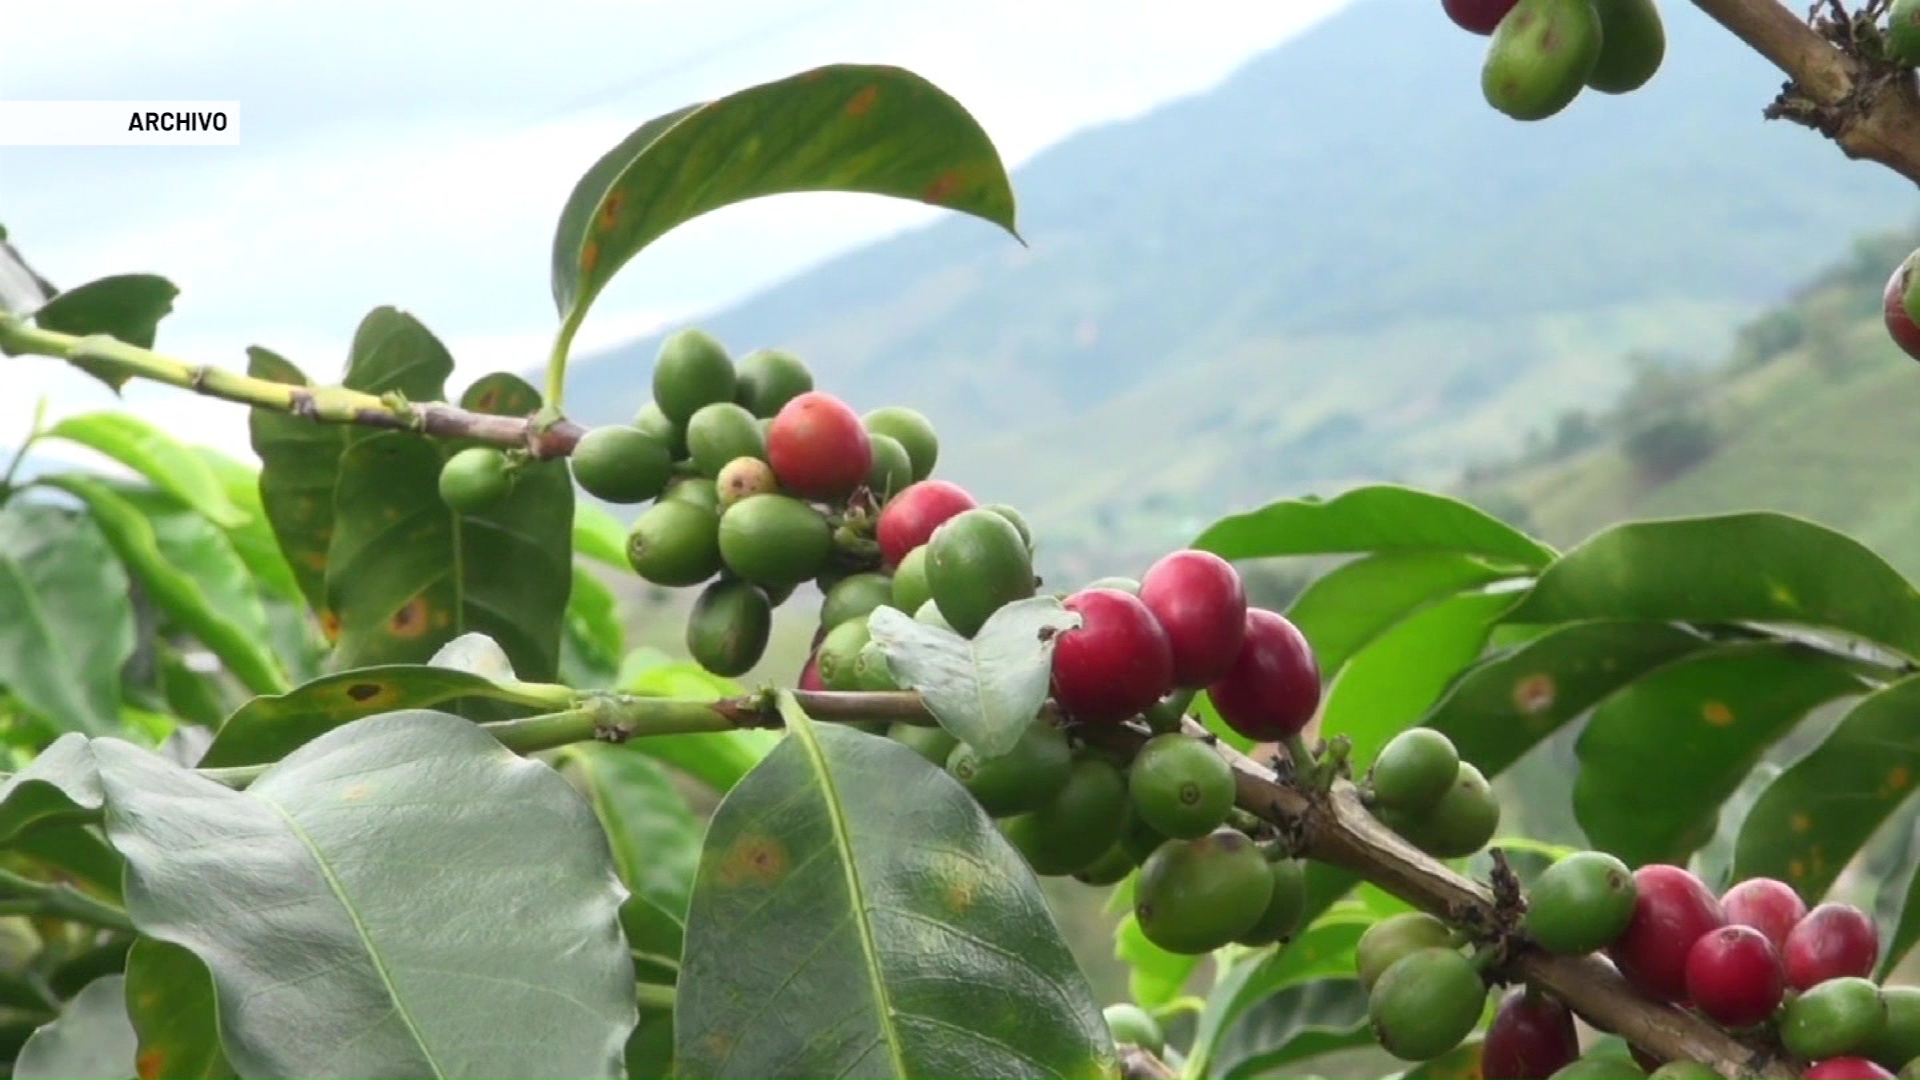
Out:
{"x": 1337, "y": 265}
{"x": 1815, "y": 412}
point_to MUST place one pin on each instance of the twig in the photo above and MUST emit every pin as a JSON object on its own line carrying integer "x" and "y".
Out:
{"x": 1138, "y": 1063}
{"x": 62, "y": 902}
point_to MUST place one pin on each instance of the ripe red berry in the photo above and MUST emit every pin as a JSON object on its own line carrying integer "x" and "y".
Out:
{"x": 1201, "y": 604}
{"x": 1273, "y": 688}
{"x": 1672, "y": 911}
{"x": 1115, "y": 663}
{"x": 1531, "y": 1035}
{"x": 818, "y": 448}
{"x": 1478, "y": 16}
{"x": 1769, "y": 906}
{"x": 1833, "y": 941}
{"x": 1846, "y": 1068}
{"x": 810, "y": 674}
{"x": 909, "y": 519}
{"x": 1735, "y": 977}
{"x": 1893, "y": 304}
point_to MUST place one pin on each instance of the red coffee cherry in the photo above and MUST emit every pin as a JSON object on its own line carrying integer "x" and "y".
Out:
{"x": 1672, "y": 911}
{"x": 909, "y": 519}
{"x": 1769, "y": 906}
{"x": 818, "y": 447}
{"x": 1201, "y": 604}
{"x": 1735, "y": 977}
{"x": 1116, "y": 663}
{"x": 1531, "y": 1035}
{"x": 1834, "y": 940}
{"x": 1273, "y": 688}
{"x": 1846, "y": 1068}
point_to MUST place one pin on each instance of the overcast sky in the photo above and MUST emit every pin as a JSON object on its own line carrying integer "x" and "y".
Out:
{"x": 407, "y": 152}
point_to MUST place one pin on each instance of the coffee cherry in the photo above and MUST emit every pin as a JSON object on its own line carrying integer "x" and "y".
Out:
{"x": 1077, "y": 825}
{"x": 912, "y": 430}
{"x": 1115, "y": 664}
{"x": 1478, "y": 16}
{"x": 818, "y": 448}
{"x": 932, "y": 743}
{"x": 976, "y": 565}
{"x": 1413, "y": 771}
{"x": 675, "y": 543}
{"x": 1532, "y": 1035}
{"x": 1111, "y": 868}
{"x": 1284, "y": 908}
{"x": 838, "y": 652}
{"x": 1195, "y": 896}
{"x": 810, "y": 674}
{"x": 1014, "y": 518}
{"x": 1899, "y": 1041}
{"x": 1201, "y": 604}
{"x": 474, "y": 479}
{"x": 692, "y": 370}
{"x": 721, "y": 433}
{"x": 1021, "y": 780}
{"x": 768, "y": 379}
{"x": 774, "y": 540}
{"x": 910, "y": 588}
{"x": 1769, "y": 906}
{"x": 1834, "y": 940}
{"x": 1834, "y": 1018}
{"x": 1461, "y": 823}
{"x": 908, "y": 521}
{"x": 1581, "y": 903}
{"x": 1735, "y": 977}
{"x": 892, "y": 471}
{"x": 742, "y": 479}
{"x": 1846, "y": 1068}
{"x": 1139, "y": 839}
{"x": 1393, "y": 937}
{"x": 728, "y": 628}
{"x": 1180, "y": 786}
{"x": 1272, "y": 689}
{"x": 1671, "y": 910}
{"x": 620, "y": 464}
{"x": 1132, "y": 1025}
{"x": 1426, "y": 1003}
{"x": 1894, "y": 311}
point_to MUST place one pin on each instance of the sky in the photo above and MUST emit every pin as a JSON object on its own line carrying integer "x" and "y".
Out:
{"x": 402, "y": 152}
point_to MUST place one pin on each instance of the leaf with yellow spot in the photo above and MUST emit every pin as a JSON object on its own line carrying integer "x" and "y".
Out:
{"x": 1511, "y": 701}
{"x": 1303, "y": 1020}
{"x": 405, "y": 573}
{"x": 1375, "y": 518}
{"x": 1323, "y": 951}
{"x": 91, "y": 1037}
{"x": 1748, "y": 567}
{"x": 861, "y": 128}
{"x": 270, "y": 727}
{"x": 170, "y": 1000}
{"x": 1846, "y": 789}
{"x": 825, "y": 898}
{"x": 1659, "y": 758}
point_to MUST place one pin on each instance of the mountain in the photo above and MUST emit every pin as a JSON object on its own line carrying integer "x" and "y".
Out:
{"x": 1339, "y": 264}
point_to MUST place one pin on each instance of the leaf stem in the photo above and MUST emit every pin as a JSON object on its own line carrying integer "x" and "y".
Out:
{"x": 323, "y": 404}
{"x": 654, "y": 996}
{"x": 60, "y": 902}
{"x": 556, "y": 391}
{"x": 34, "y": 431}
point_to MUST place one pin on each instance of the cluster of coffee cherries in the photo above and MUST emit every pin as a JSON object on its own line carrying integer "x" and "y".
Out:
{"x": 1420, "y": 788}
{"x": 1754, "y": 960}
{"x": 1545, "y": 53}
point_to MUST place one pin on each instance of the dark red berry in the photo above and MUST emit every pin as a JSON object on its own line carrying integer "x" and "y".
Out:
{"x": 1834, "y": 940}
{"x": 810, "y": 673}
{"x": 1200, "y": 602}
{"x": 1735, "y": 977}
{"x": 1846, "y": 1068}
{"x": 1273, "y": 687}
{"x": 1672, "y": 911}
{"x": 818, "y": 448}
{"x": 1116, "y": 663}
{"x": 1532, "y": 1035}
{"x": 1893, "y": 304}
{"x": 910, "y": 518}
{"x": 1478, "y": 16}
{"x": 1769, "y": 906}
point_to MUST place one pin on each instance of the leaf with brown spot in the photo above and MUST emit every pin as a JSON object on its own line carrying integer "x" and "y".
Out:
{"x": 861, "y": 128}
{"x": 1655, "y": 765}
{"x": 1843, "y": 788}
{"x": 830, "y": 866}
{"x": 170, "y": 1000}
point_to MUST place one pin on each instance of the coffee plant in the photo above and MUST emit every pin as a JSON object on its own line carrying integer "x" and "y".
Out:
{"x": 341, "y": 766}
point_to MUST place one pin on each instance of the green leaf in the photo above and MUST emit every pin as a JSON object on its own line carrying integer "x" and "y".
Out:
{"x": 1897, "y": 907}
{"x": 92, "y": 1039}
{"x": 239, "y": 641}
{"x": 61, "y": 784}
{"x": 190, "y": 695}
{"x": 985, "y": 691}
{"x": 891, "y": 930}
{"x": 599, "y": 536}
{"x": 74, "y": 851}
{"x": 1210, "y": 719}
{"x": 69, "y": 623}
{"x": 717, "y": 759}
{"x": 1758, "y": 567}
{"x": 1155, "y": 977}
{"x": 427, "y": 903}
{"x": 406, "y": 574}
{"x": 268, "y": 728}
{"x": 860, "y": 128}
{"x": 1391, "y": 683}
{"x": 1659, "y": 757}
{"x": 300, "y": 464}
{"x": 1324, "y": 950}
{"x": 126, "y": 306}
{"x": 1512, "y": 701}
{"x": 174, "y": 468}
{"x": 654, "y": 835}
{"x": 656, "y": 937}
{"x": 1348, "y": 607}
{"x": 1818, "y": 814}
{"x": 1713, "y": 863}
{"x": 1299, "y": 1022}
{"x": 593, "y": 618}
{"x": 253, "y": 541}
{"x": 1377, "y": 518}
{"x": 170, "y": 1001}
